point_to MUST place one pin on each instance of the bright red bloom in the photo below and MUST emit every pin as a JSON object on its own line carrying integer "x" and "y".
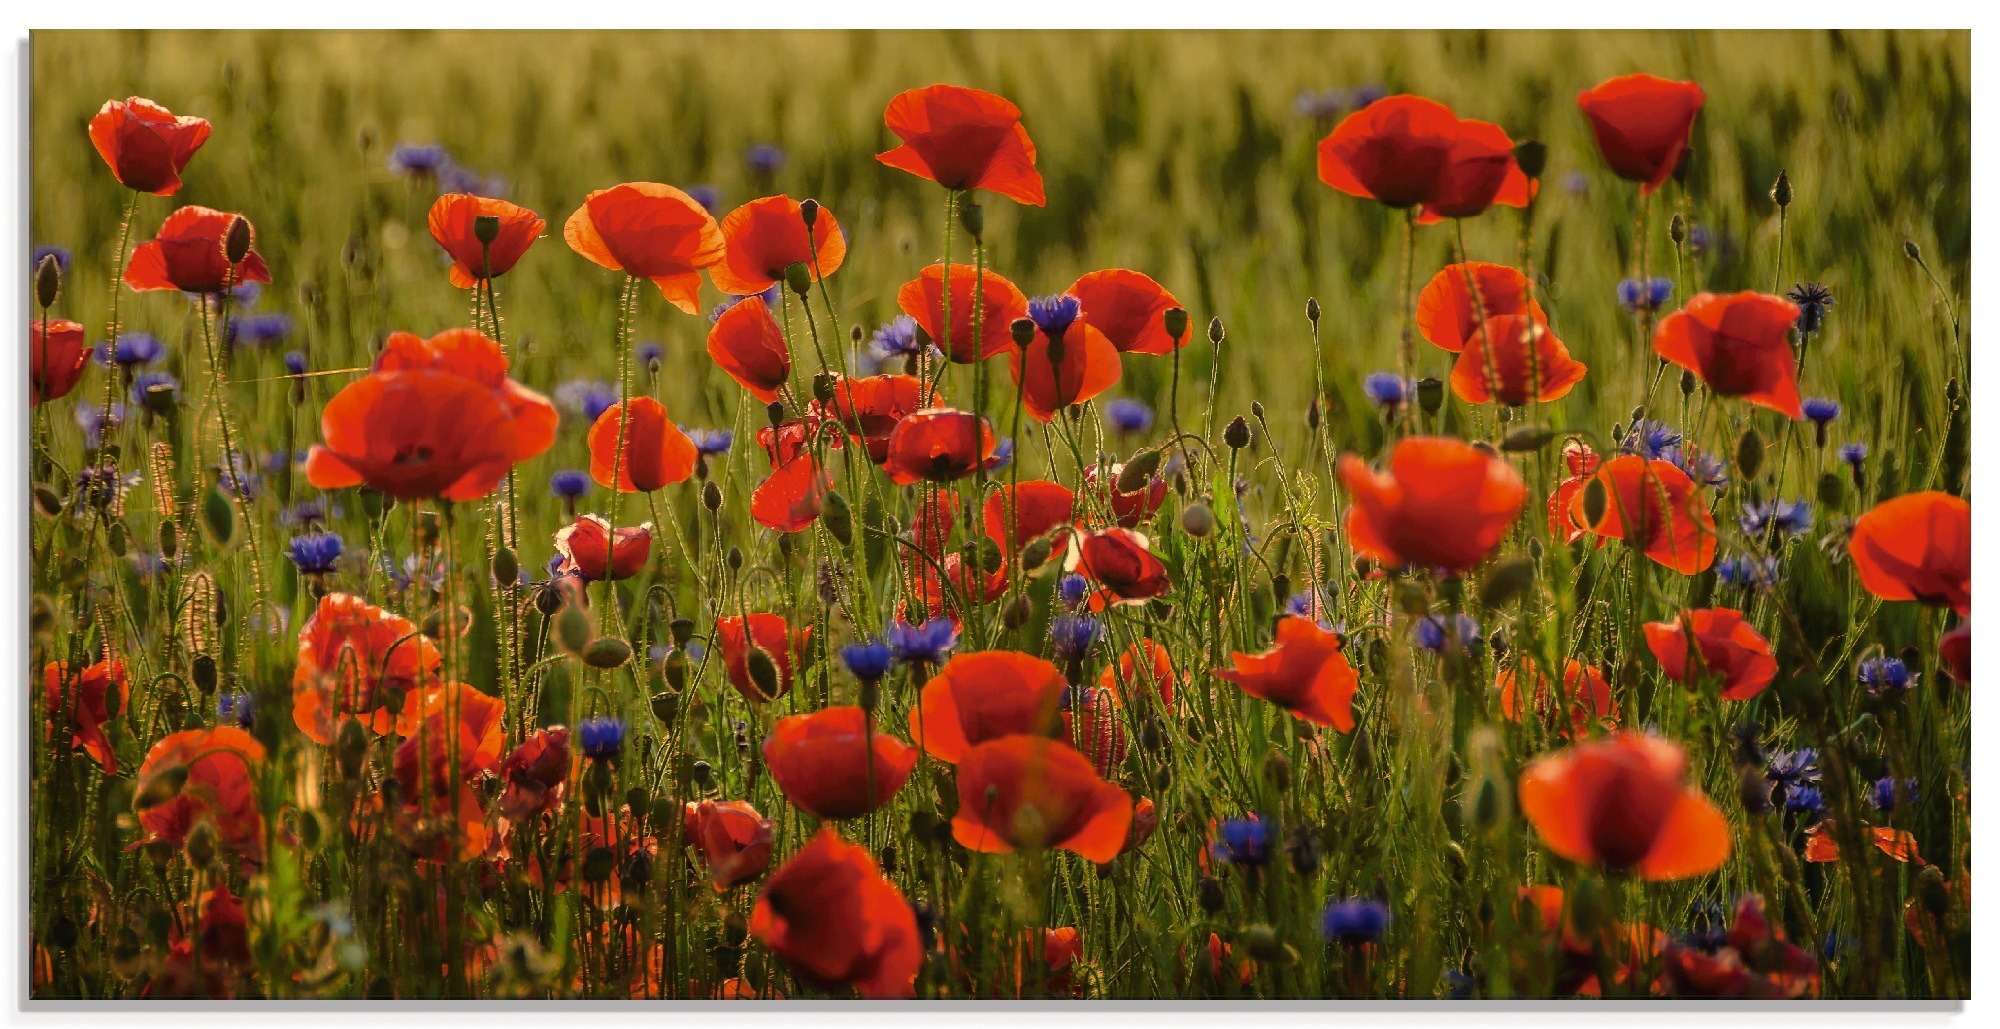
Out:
{"x": 1442, "y": 504}
{"x": 1584, "y": 692}
{"x": 1737, "y": 344}
{"x": 82, "y": 703}
{"x": 223, "y": 932}
{"x": 1582, "y": 463}
{"x": 534, "y": 774}
{"x": 1623, "y": 802}
{"x": 1145, "y": 819}
{"x": 1955, "y": 650}
{"x": 470, "y": 354}
{"x": 414, "y": 434}
{"x": 870, "y": 408}
{"x": 983, "y": 696}
{"x": 1034, "y": 507}
{"x": 1130, "y": 309}
{"x": 1449, "y": 318}
{"x": 592, "y": 549}
{"x": 352, "y": 655}
{"x": 454, "y": 224}
{"x": 1089, "y": 366}
{"x": 771, "y": 634}
{"x": 765, "y": 236}
{"x": 826, "y": 761}
{"x": 747, "y": 343}
{"x": 789, "y": 500}
{"x": 1304, "y": 673}
{"x": 1128, "y": 509}
{"x": 1408, "y": 150}
{"x": 436, "y": 795}
{"x": 1657, "y": 508}
{"x": 55, "y": 363}
{"x": 1156, "y": 674}
{"x": 1641, "y": 124}
{"x": 732, "y": 838}
{"x": 189, "y": 254}
{"x": 1898, "y": 844}
{"x": 1095, "y": 727}
{"x": 1514, "y": 359}
{"x": 1755, "y": 961}
{"x": 1031, "y": 791}
{"x": 963, "y": 138}
{"x": 1478, "y": 173}
{"x": 1000, "y": 303}
{"x": 1728, "y": 646}
{"x": 652, "y": 231}
{"x": 145, "y": 144}
{"x": 1916, "y": 547}
{"x": 219, "y": 787}
{"x": 1121, "y": 561}
{"x": 837, "y": 923}
{"x": 656, "y": 452}
{"x": 938, "y": 444}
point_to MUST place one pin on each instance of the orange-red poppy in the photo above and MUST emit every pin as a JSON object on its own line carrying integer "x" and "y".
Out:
{"x": 999, "y": 303}
{"x": 767, "y": 235}
{"x": 747, "y": 343}
{"x": 790, "y": 498}
{"x": 1479, "y": 172}
{"x": 190, "y": 254}
{"x": 1145, "y": 819}
{"x": 869, "y": 408}
{"x": 534, "y": 774}
{"x": 1654, "y": 506}
{"x": 454, "y": 222}
{"x": 145, "y": 144}
{"x": 1095, "y": 727}
{"x": 837, "y": 923}
{"x": 1122, "y": 562}
{"x": 593, "y": 549}
{"x": 1512, "y": 358}
{"x": 963, "y": 138}
{"x": 1726, "y": 644}
{"x": 656, "y": 452}
{"x": 652, "y": 231}
{"x": 412, "y": 434}
{"x": 1753, "y": 960}
{"x": 1144, "y": 665}
{"x": 780, "y": 443}
{"x": 1585, "y": 693}
{"x": 832, "y": 764}
{"x": 973, "y": 587}
{"x": 1442, "y": 504}
{"x": 1304, "y": 672}
{"x": 1450, "y": 312}
{"x": 219, "y": 787}
{"x": 1033, "y": 508}
{"x": 1623, "y": 802}
{"x": 1032, "y": 791}
{"x": 1641, "y": 123}
{"x": 82, "y": 703}
{"x": 1916, "y": 547}
{"x": 459, "y": 740}
{"x": 769, "y": 633}
{"x": 1582, "y": 463}
{"x": 55, "y": 361}
{"x": 222, "y": 930}
{"x": 983, "y": 696}
{"x": 1737, "y": 344}
{"x": 1130, "y": 309}
{"x": 471, "y": 354}
{"x": 1127, "y": 509}
{"x": 352, "y": 656}
{"x": 732, "y": 838}
{"x": 937, "y": 444}
{"x": 1630, "y": 948}
{"x": 1822, "y": 848}
{"x": 1089, "y": 365}
{"x": 1408, "y": 150}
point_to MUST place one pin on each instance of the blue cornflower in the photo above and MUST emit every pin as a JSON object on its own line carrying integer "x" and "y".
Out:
{"x": 586, "y": 397}
{"x": 148, "y": 563}
{"x": 456, "y": 178}
{"x": 260, "y": 329}
{"x": 1071, "y": 636}
{"x": 1801, "y": 799}
{"x": 315, "y": 552}
{"x": 1241, "y": 841}
{"x": 710, "y": 441}
{"x": 1813, "y": 300}
{"x": 1367, "y": 93}
{"x": 236, "y": 709}
{"x": 1700, "y": 239}
{"x": 650, "y": 353}
{"x": 1747, "y": 571}
{"x": 61, "y": 254}
{"x": 764, "y": 158}
{"x": 921, "y": 644}
{"x": 569, "y": 484}
{"x": 246, "y": 294}
{"x": 707, "y": 196}
{"x": 1854, "y": 454}
{"x": 1704, "y": 468}
{"x": 1650, "y": 439}
{"x": 276, "y": 461}
{"x": 1885, "y": 675}
{"x": 93, "y": 421}
{"x": 1354, "y": 921}
{"x": 1128, "y": 415}
{"x": 1073, "y": 589}
{"x": 1793, "y": 766}
{"x": 133, "y": 349}
{"x": 1003, "y": 453}
{"x": 1888, "y": 792}
{"x": 1779, "y": 518}
{"x": 1054, "y": 314}
{"x": 1576, "y": 183}
{"x": 601, "y": 739}
{"x": 144, "y": 382}
{"x": 1637, "y": 295}
{"x": 1387, "y": 389}
{"x": 419, "y": 159}
{"x": 304, "y": 513}
{"x": 1326, "y": 104}
{"x": 295, "y": 362}
{"x": 867, "y": 661}
{"x": 241, "y": 479}
{"x": 1433, "y": 634}
{"x": 415, "y": 571}
{"x": 1820, "y": 410}
{"x": 897, "y": 337}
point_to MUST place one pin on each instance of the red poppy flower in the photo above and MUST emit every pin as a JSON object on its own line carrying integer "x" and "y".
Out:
{"x": 145, "y": 144}
{"x": 656, "y": 452}
{"x": 1822, "y": 848}
{"x": 592, "y": 549}
{"x": 973, "y": 587}
{"x": 790, "y": 498}
{"x": 1145, "y": 665}
{"x": 963, "y": 138}
{"x": 55, "y": 363}
{"x": 1033, "y": 507}
{"x": 415, "y": 434}
{"x": 1737, "y": 344}
{"x": 938, "y": 444}
{"x": 1145, "y": 819}
{"x": 1406, "y": 150}
{"x": 983, "y": 696}
{"x": 1656, "y": 507}
{"x": 771, "y": 634}
{"x": 747, "y": 343}
{"x": 1442, "y": 504}
{"x": 1121, "y": 561}
{"x": 437, "y": 796}
{"x": 1127, "y": 509}
{"x": 1130, "y": 309}
{"x": 652, "y": 231}
{"x": 732, "y": 838}
{"x": 454, "y": 224}
{"x": 82, "y": 703}
{"x": 1514, "y": 359}
{"x": 1753, "y": 961}
{"x": 826, "y": 762}
{"x": 1089, "y": 365}
{"x": 837, "y": 923}
{"x": 1641, "y": 124}
{"x": 1624, "y": 803}
{"x": 1955, "y": 650}
{"x": 219, "y": 787}
{"x": 1573, "y": 954}
{"x": 1916, "y": 547}
{"x": 352, "y": 655}
{"x": 870, "y": 408}
{"x": 1095, "y": 727}
{"x": 1304, "y": 673}
{"x": 222, "y": 930}
{"x": 1478, "y": 173}
{"x": 999, "y": 303}
{"x": 1584, "y": 693}
{"x": 1446, "y": 313}
{"x": 1582, "y": 462}
{"x": 1031, "y": 791}
{"x": 765, "y": 236}
{"x": 190, "y": 254}
{"x": 534, "y": 774}
{"x": 1728, "y": 646}
{"x": 470, "y": 354}
{"x": 783, "y": 442}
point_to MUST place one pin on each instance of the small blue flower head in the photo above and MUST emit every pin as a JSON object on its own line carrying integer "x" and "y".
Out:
{"x": 1367, "y": 93}
{"x": 650, "y": 353}
{"x": 1355, "y": 921}
{"x": 867, "y": 661}
{"x": 709, "y": 442}
{"x": 1704, "y": 468}
{"x": 295, "y": 362}
{"x": 260, "y": 329}
{"x": 1813, "y": 300}
{"x": 586, "y": 397}
{"x": 241, "y": 479}
{"x": 1003, "y": 455}
{"x": 236, "y": 709}
{"x": 1820, "y": 410}
{"x": 1128, "y": 415}
{"x": 315, "y": 552}
{"x": 304, "y": 514}
{"x": 1637, "y": 295}
{"x": 1700, "y": 238}
{"x": 601, "y": 738}
{"x": 1650, "y": 439}
{"x": 569, "y": 484}
{"x": 1320, "y": 104}
{"x": 1801, "y": 799}
{"x": 246, "y": 294}
{"x": 1435, "y": 633}
{"x": 419, "y": 159}
{"x": 1854, "y": 454}
{"x": 1387, "y": 389}
{"x": 455, "y": 178}
{"x": 1748, "y": 572}
{"x": 1576, "y": 183}
{"x": 1793, "y": 766}
{"x": 1887, "y": 793}
{"x": 133, "y": 349}
{"x": 93, "y": 420}
{"x": 144, "y": 382}
{"x": 1073, "y": 589}
{"x": 765, "y": 158}
{"x": 1885, "y": 675}
{"x": 1241, "y": 841}
{"x": 1071, "y": 636}
{"x": 897, "y": 337}
{"x": 1054, "y": 314}
{"x": 709, "y": 197}
{"x": 1781, "y": 518}
{"x": 61, "y": 254}
{"x": 922, "y": 644}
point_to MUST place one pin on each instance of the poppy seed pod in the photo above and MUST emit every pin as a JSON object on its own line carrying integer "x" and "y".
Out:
{"x": 486, "y": 228}
{"x": 163, "y": 787}
{"x": 1215, "y": 333}
{"x": 1781, "y": 190}
{"x": 1910, "y": 250}
{"x": 506, "y": 566}
{"x": 1237, "y": 433}
{"x": 972, "y": 218}
{"x": 200, "y": 845}
{"x": 572, "y": 630}
{"x": 1024, "y": 332}
{"x": 607, "y": 652}
{"x": 48, "y": 281}
{"x": 1529, "y": 438}
{"x": 1749, "y": 453}
{"x": 1430, "y": 394}
{"x": 1175, "y": 321}
{"x": 711, "y": 496}
{"x": 1018, "y": 611}
{"x": 838, "y": 517}
{"x": 799, "y": 277}
{"x": 734, "y": 559}
{"x": 1595, "y": 498}
{"x": 763, "y": 671}
{"x": 1197, "y": 520}
{"x": 1138, "y": 472}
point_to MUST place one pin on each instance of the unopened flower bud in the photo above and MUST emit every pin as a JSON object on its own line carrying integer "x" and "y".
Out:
{"x": 48, "y": 281}
{"x": 1781, "y": 190}
{"x": 809, "y": 212}
{"x": 1532, "y": 155}
{"x": 1237, "y": 433}
{"x": 799, "y": 277}
{"x": 972, "y": 218}
{"x": 1430, "y": 394}
{"x": 236, "y": 246}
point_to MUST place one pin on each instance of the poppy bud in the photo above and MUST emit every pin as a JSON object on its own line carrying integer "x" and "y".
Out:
{"x": 1208, "y": 893}
{"x": 572, "y": 630}
{"x": 1411, "y": 601}
{"x": 1595, "y": 499}
{"x": 205, "y": 673}
{"x": 1215, "y": 333}
{"x": 506, "y": 566}
{"x": 763, "y": 671}
{"x": 701, "y": 772}
{"x": 1688, "y": 382}
{"x": 675, "y": 670}
{"x": 1528, "y": 438}
{"x": 1237, "y": 433}
{"x": 1677, "y": 230}
{"x": 1831, "y": 492}
{"x": 218, "y": 519}
{"x": 117, "y": 537}
{"x": 200, "y": 846}
{"x": 607, "y": 652}
{"x": 1508, "y": 579}
{"x": 856, "y": 334}
{"x": 799, "y": 277}
{"x": 972, "y": 218}
{"x": 164, "y": 787}
{"x": 47, "y": 502}
{"x": 1197, "y": 520}
{"x": 486, "y": 228}
{"x": 1138, "y": 472}
{"x": 1312, "y": 310}
{"x": 823, "y": 386}
{"x": 838, "y": 517}
{"x": 1749, "y": 454}
{"x": 809, "y": 212}
{"x": 734, "y": 559}
{"x": 1312, "y": 414}
{"x": 1262, "y": 942}
{"x": 1430, "y": 394}
{"x": 1018, "y": 610}
{"x": 1277, "y": 770}
{"x": 1257, "y": 410}
{"x": 1910, "y": 250}
{"x": 711, "y": 496}
{"x": 1024, "y": 332}
{"x": 1781, "y": 190}
{"x": 48, "y": 281}
{"x": 666, "y": 706}
{"x": 1175, "y": 321}
{"x": 1532, "y": 155}
{"x": 350, "y": 748}
{"x": 236, "y": 245}
{"x": 1951, "y": 389}
{"x": 1931, "y": 890}
{"x": 1035, "y": 554}
{"x": 774, "y": 412}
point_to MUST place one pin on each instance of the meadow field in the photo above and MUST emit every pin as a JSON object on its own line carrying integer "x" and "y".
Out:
{"x": 1172, "y": 638}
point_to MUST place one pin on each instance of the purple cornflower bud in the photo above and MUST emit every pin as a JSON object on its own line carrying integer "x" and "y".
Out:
{"x": 1054, "y": 314}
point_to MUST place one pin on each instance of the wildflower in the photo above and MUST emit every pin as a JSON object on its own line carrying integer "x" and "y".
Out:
{"x": 1354, "y": 921}
{"x": 1387, "y": 389}
{"x": 764, "y": 237}
{"x": 1122, "y": 562}
{"x": 1787, "y": 767}
{"x": 1749, "y": 960}
{"x": 149, "y": 563}
{"x": 1003, "y": 455}
{"x": 732, "y": 838}
{"x": 1442, "y": 503}
{"x": 586, "y": 397}
{"x": 1437, "y": 634}
{"x": 790, "y": 498}
{"x": 837, "y": 923}
{"x": 1143, "y": 664}
{"x": 769, "y": 633}
{"x": 1854, "y": 454}
{"x": 132, "y": 350}
{"x": 590, "y": 547}
{"x": 656, "y": 453}
{"x": 1820, "y": 411}
{"x": 963, "y": 139}
{"x": 1304, "y": 672}
{"x": 1513, "y": 359}
{"x": 983, "y": 696}
{"x": 1654, "y": 506}
{"x": 1801, "y": 799}
{"x": 710, "y": 442}
{"x": 1645, "y": 295}
{"x": 217, "y": 768}
{"x": 871, "y": 408}
{"x": 1917, "y": 547}
{"x": 534, "y": 774}
{"x": 1728, "y": 646}
{"x": 1737, "y": 345}
{"x": 834, "y": 764}
{"x": 868, "y": 660}
{"x": 1072, "y": 589}
{"x": 1449, "y": 317}
{"x": 1242, "y": 841}
{"x": 315, "y": 552}
{"x": 1127, "y": 509}
{"x": 1033, "y": 792}
{"x": 1585, "y": 694}
{"x": 1641, "y": 124}
{"x": 1748, "y": 571}
{"x": 457, "y": 721}
{"x": 1813, "y": 300}
{"x": 78, "y": 702}
{"x": 601, "y": 739}
{"x": 569, "y": 485}
{"x": 352, "y": 655}
{"x": 1622, "y": 802}
{"x": 1888, "y": 792}
{"x": 1128, "y": 416}
{"x": 259, "y": 329}
{"x": 94, "y": 420}
{"x": 1129, "y": 308}
{"x": 897, "y": 337}
{"x": 1000, "y": 303}
{"x": 1051, "y": 375}
{"x": 1053, "y": 315}
{"x": 764, "y": 158}
{"x": 454, "y": 221}
{"x": 1650, "y": 439}
{"x": 236, "y": 708}
{"x": 652, "y": 231}
{"x": 937, "y": 444}
{"x": 708, "y": 196}
{"x": 1955, "y": 651}
{"x": 1406, "y": 151}
{"x": 1320, "y": 104}
{"x": 1885, "y": 675}
{"x": 145, "y": 144}
{"x": 419, "y": 159}
{"x": 1029, "y": 510}
{"x": 1704, "y": 468}
{"x": 748, "y": 345}
{"x": 188, "y": 254}
{"x": 1772, "y": 520}
{"x": 1576, "y": 183}
{"x": 295, "y": 362}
